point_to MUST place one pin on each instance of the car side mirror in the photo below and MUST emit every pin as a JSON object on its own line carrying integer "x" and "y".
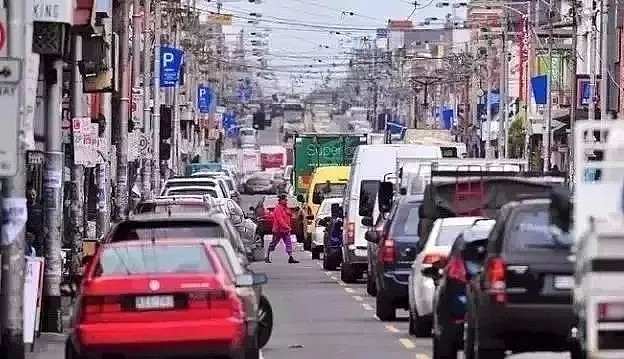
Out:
{"x": 251, "y": 279}
{"x": 367, "y": 221}
{"x": 371, "y": 236}
{"x": 433, "y": 272}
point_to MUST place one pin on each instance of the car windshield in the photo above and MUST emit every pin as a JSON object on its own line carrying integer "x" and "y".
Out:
{"x": 449, "y": 232}
{"x": 170, "y": 207}
{"x": 192, "y": 191}
{"x": 225, "y": 261}
{"x": 530, "y": 230}
{"x": 156, "y": 258}
{"x": 166, "y": 230}
{"x": 405, "y": 222}
{"x": 330, "y": 189}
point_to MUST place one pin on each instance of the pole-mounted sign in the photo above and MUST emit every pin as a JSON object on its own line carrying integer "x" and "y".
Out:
{"x": 170, "y": 66}
{"x": 10, "y": 76}
{"x": 205, "y": 97}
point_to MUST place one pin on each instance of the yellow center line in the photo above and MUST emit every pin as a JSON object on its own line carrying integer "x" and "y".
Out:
{"x": 408, "y": 344}
{"x": 358, "y": 298}
{"x": 392, "y": 328}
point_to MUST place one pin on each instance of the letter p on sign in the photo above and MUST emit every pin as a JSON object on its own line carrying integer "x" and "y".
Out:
{"x": 167, "y": 59}
{"x": 202, "y": 93}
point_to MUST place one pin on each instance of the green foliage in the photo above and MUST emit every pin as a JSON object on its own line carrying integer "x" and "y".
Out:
{"x": 517, "y": 135}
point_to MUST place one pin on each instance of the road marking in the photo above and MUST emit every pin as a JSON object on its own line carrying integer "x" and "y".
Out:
{"x": 358, "y": 298}
{"x": 376, "y": 317}
{"x": 367, "y": 306}
{"x": 341, "y": 283}
{"x": 349, "y": 290}
{"x": 392, "y": 328}
{"x": 422, "y": 356}
{"x": 408, "y": 344}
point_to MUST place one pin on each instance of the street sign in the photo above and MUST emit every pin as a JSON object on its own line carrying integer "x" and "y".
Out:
{"x": 3, "y": 32}
{"x": 136, "y": 108}
{"x": 170, "y": 66}
{"x": 10, "y": 76}
{"x": 205, "y": 97}
{"x": 143, "y": 146}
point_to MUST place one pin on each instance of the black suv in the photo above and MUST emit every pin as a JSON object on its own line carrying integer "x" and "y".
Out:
{"x": 522, "y": 298}
{"x": 391, "y": 254}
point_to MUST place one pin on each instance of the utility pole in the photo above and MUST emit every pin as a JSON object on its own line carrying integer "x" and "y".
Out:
{"x": 77, "y": 174}
{"x": 156, "y": 91}
{"x": 488, "y": 104}
{"x": 503, "y": 113}
{"x": 147, "y": 62}
{"x": 604, "y": 60}
{"x": 591, "y": 113}
{"x": 528, "y": 90}
{"x": 13, "y": 191}
{"x": 121, "y": 142}
{"x": 175, "y": 123}
{"x": 574, "y": 95}
{"x": 136, "y": 82}
{"x": 104, "y": 169}
{"x": 548, "y": 142}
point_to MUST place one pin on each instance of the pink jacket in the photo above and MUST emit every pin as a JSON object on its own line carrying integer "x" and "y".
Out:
{"x": 281, "y": 219}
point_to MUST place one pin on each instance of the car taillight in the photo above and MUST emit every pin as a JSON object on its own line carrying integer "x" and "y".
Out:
{"x": 222, "y": 303}
{"x": 350, "y": 233}
{"x": 497, "y": 277}
{"x": 611, "y": 312}
{"x": 387, "y": 251}
{"x": 431, "y": 258}
{"x": 94, "y": 305}
{"x": 456, "y": 269}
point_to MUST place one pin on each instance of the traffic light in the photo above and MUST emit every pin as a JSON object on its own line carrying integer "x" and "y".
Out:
{"x": 165, "y": 132}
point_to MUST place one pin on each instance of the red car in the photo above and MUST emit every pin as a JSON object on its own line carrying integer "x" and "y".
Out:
{"x": 164, "y": 297}
{"x": 264, "y": 213}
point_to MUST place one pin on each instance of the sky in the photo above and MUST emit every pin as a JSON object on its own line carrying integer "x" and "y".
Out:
{"x": 301, "y": 33}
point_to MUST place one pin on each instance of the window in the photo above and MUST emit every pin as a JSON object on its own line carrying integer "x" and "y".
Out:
{"x": 448, "y": 233}
{"x": 530, "y": 230}
{"x": 331, "y": 190}
{"x": 449, "y": 152}
{"x": 406, "y": 221}
{"x": 225, "y": 261}
{"x": 128, "y": 231}
{"x": 206, "y": 183}
{"x": 174, "y": 208}
{"x": 368, "y": 197}
{"x": 192, "y": 192}
{"x": 154, "y": 259}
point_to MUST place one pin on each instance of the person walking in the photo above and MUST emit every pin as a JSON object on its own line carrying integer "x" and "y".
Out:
{"x": 281, "y": 229}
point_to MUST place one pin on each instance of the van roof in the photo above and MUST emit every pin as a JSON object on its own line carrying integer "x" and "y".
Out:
{"x": 331, "y": 170}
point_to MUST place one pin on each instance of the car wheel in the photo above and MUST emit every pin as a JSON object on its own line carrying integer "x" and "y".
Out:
{"x": 347, "y": 274}
{"x": 420, "y": 326}
{"x": 329, "y": 262}
{"x": 265, "y": 321}
{"x": 71, "y": 353}
{"x": 307, "y": 243}
{"x": 316, "y": 253}
{"x": 371, "y": 288}
{"x": 442, "y": 350}
{"x": 384, "y": 308}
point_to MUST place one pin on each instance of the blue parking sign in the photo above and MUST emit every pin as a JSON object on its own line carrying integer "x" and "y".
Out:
{"x": 170, "y": 66}
{"x": 205, "y": 96}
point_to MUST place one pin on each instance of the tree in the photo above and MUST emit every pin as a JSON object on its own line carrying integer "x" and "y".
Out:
{"x": 517, "y": 136}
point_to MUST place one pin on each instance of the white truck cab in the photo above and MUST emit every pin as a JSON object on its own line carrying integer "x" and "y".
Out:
{"x": 599, "y": 238}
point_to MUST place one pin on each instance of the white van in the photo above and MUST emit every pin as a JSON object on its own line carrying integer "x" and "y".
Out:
{"x": 370, "y": 164}
{"x": 217, "y": 183}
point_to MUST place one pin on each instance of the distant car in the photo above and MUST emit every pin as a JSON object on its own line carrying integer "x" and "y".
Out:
{"x": 198, "y": 181}
{"x": 247, "y": 136}
{"x": 260, "y": 182}
{"x": 193, "y": 190}
{"x": 318, "y": 235}
{"x": 135, "y": 293}
{"x": 421, "y": 288}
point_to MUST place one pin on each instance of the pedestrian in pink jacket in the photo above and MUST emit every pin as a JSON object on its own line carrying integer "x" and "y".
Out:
{"x": 281, "y": 229}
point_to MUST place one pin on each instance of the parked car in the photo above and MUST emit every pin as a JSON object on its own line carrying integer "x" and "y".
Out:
{"x": 421, "y": 288}
{"x": 133, "y": 299}
{"x": 263, "y": 213}
{"x": 197, "y": 181}
{"x": 396, "y": 249}
{"x": 318, "y": 235}
{"x": 449, "y": 305}
{"x": 192, "y": 191}
{"x": 260, "y": 182}
{"x": 257, "y": 305}
{"x": 521, "y": 300}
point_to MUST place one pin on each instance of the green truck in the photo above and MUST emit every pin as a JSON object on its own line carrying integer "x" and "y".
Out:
{"x": 316, "y": 150}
